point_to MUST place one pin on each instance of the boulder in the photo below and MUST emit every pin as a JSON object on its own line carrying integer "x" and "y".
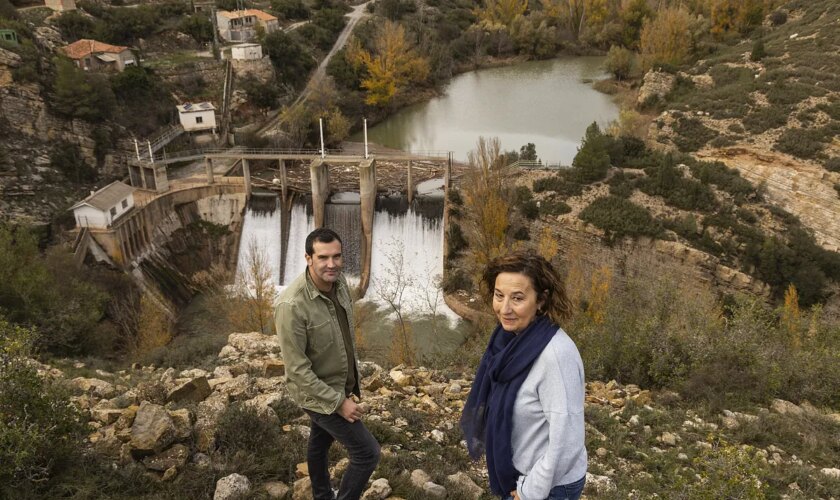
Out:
{"x": 183, "y": 423}
{"x": 302, "y": 489}
{"x": 419, "y": 477}
{"x": 379, "y": 490}
{"x": 232, "y": 487}
{"x": 783, "y": 407}
{"x": 433, "y": 490}
{"x": 176, "y": 456}
{"x": 274, "y": 368}
{"x": 95, "y": 386}
{"x": 195, "y": 390}
{"x": 465, "y": 485}
{"x": 276, "y": 489}
{"x": 152, "y": 430}
{"x": 656, "y": 85}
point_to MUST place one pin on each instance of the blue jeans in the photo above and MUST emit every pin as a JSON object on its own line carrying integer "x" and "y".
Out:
{"x": 361, "y": 447}
{"x": 571, "y": 491}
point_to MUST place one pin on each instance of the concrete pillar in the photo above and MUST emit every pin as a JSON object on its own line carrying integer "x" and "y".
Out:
{"x": 319, "y": 176}
{"x": 410, "y": 185}
{"x": 208, "y": 166}
{"x": 447, "y": 176}
{"x": 367, "y": 195}
{"x": 284, "y": 180}
{"x": 246, "y": 173}
{"x": 285, "y": 226}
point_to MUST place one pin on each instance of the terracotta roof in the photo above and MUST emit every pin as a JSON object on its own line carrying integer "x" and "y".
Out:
{"x": 85, "y": 47}
{"x": 107, "y": 197}
{"x": 262, "y": 16}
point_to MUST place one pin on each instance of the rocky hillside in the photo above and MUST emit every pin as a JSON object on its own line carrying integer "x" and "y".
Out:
{"x": 229, "y": 431}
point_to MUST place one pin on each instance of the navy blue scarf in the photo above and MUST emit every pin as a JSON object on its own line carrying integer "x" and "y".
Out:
{"x": 487, "y": 419}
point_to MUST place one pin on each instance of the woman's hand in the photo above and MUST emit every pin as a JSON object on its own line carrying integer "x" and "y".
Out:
{"x": 514, "y": 494}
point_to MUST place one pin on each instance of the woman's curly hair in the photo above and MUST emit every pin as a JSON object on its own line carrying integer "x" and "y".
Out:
{"x": 543, "y": 276}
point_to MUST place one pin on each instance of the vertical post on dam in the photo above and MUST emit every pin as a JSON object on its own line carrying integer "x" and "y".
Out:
{"x": 319, "y": 176}
{"x": 410, "y": 185}
{"x": 208, "y": 166}
{"x": 367, "y": 199}
{"x": 246, "y": 173}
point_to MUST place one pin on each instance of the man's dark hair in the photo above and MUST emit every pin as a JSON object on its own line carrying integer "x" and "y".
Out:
{"x": 321, "y": 235}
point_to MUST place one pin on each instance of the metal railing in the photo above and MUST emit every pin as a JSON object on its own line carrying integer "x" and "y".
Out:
{"x": 536, "y": 164}
{"x": 313, "y": 153}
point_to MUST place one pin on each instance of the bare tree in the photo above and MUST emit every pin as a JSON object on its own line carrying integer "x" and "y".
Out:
{"x": 391, "y": 288}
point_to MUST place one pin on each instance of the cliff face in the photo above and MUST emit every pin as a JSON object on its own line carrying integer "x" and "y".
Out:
{"x": 802, "y": 189}
{"x": 32, "y": 189}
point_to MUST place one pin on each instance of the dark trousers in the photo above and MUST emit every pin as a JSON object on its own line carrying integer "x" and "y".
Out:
{"x": 361, "y": 447}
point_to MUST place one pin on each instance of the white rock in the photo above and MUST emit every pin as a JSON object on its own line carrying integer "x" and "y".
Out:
{"x": 833, "y": 473}
{"x": 379, "y": 490}
{"x": 232, "y": 487}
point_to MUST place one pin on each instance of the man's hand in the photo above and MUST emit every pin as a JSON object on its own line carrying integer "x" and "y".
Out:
{"x": 350, "y": 411}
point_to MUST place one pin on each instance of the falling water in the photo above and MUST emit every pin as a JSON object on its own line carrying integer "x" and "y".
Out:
{"x": 260, "y": 233}
{"x": 301, "y": 225}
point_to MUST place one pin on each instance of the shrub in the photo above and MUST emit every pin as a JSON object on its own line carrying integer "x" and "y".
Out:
{"x": 778, "y": 17}
{"x": 551, "y": 206}
{"x": 253, "y": 445}
{"x": 621, "y": 62}
{"x": 692, "y": 134}
{"x": 724, "y": 178}
{"x": 455, "y": 280}
{"x": 67, "y": 158}
{"x": 40, "y": 430}
{"x": 667, "y": 181}
{"x": 764, "y": 119}
{"x": 456, "y": 240}
{"x": 522, "y": 234}
{"x": 619, "y": 217}
{"x": 455, "y": 197}
{"x": 758, "y": 51}
{"x": 832, "y": 164}
{"x": 530, "y": 209}
{"x": 803, "y": 143}
{"x": 592, "y": 159}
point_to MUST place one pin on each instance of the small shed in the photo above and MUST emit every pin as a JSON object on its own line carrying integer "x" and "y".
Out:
{"x": 103, "y": 207}
{"x": 9, "y": 36}
{"x": 194, "y": 117}
{"x": 61, "y": 5}
{"x": 246, "y": 51}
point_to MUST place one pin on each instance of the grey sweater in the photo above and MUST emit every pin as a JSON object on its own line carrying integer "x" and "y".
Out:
{"x": 548, "y": 428}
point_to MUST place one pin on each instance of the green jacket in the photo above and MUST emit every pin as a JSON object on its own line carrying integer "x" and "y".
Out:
{"x": 312, "y": 344}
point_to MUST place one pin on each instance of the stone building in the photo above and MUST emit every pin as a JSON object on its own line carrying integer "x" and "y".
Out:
{"x": 99, "y": 56}
{"x": 241, "y": 25}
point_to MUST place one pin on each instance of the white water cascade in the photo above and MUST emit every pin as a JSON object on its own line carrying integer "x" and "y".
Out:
{"x": 260, "y": 233}
{"x": 301, "y": 225}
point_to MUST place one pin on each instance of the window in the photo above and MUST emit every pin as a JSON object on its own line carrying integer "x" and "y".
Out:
{"x": 125, "y": 203}
{"x": 113, "y": 212}
{"x": 199, "y": 119}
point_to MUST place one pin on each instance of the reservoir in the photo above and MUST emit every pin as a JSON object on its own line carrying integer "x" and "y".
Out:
{"x": 549, "y": 103}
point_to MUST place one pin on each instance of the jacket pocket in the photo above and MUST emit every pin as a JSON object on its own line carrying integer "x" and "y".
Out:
{"x": 321, "y": 336}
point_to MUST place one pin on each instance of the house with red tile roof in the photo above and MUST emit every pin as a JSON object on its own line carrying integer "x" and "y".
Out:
{"x": 241, "y": 25}
{"x": 98, "y": 56}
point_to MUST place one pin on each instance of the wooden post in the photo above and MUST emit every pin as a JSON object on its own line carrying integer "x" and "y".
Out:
{"x": 319, "y": 177}
{"x": 367, "y": 195}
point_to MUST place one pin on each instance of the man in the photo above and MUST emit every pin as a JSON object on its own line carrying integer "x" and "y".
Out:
{"x": 314, "y": 320}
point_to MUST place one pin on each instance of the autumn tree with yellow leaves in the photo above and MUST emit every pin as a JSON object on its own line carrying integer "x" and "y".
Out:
{"x": 665, "y": 39}
{"x": 500, "y": 12}
{"x": 791, "y": 317}
{"x": 392, "y": 65}
{"x": 486, "y": 209}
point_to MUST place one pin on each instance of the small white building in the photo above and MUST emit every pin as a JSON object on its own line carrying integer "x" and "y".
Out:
{"x": 103, "y": 207}
{"x": 195, "y": 117}
{"x": 246, "y": 52}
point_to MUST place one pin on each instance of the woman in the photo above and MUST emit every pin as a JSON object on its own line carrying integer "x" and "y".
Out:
{"x": 525, "y": 408}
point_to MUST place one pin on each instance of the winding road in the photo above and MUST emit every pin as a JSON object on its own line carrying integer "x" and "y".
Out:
{"x": 358, "y": 13}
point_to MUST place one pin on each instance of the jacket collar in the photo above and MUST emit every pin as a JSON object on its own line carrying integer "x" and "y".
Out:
{"x": 312, "y": 290}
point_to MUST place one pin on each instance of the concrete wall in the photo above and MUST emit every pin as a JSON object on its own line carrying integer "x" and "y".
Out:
{"x": 189, "y": 120}
{"x": 148, "y": 227}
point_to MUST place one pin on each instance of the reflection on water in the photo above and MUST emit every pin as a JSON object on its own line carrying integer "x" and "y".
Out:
{"x": 544, "y": 102}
